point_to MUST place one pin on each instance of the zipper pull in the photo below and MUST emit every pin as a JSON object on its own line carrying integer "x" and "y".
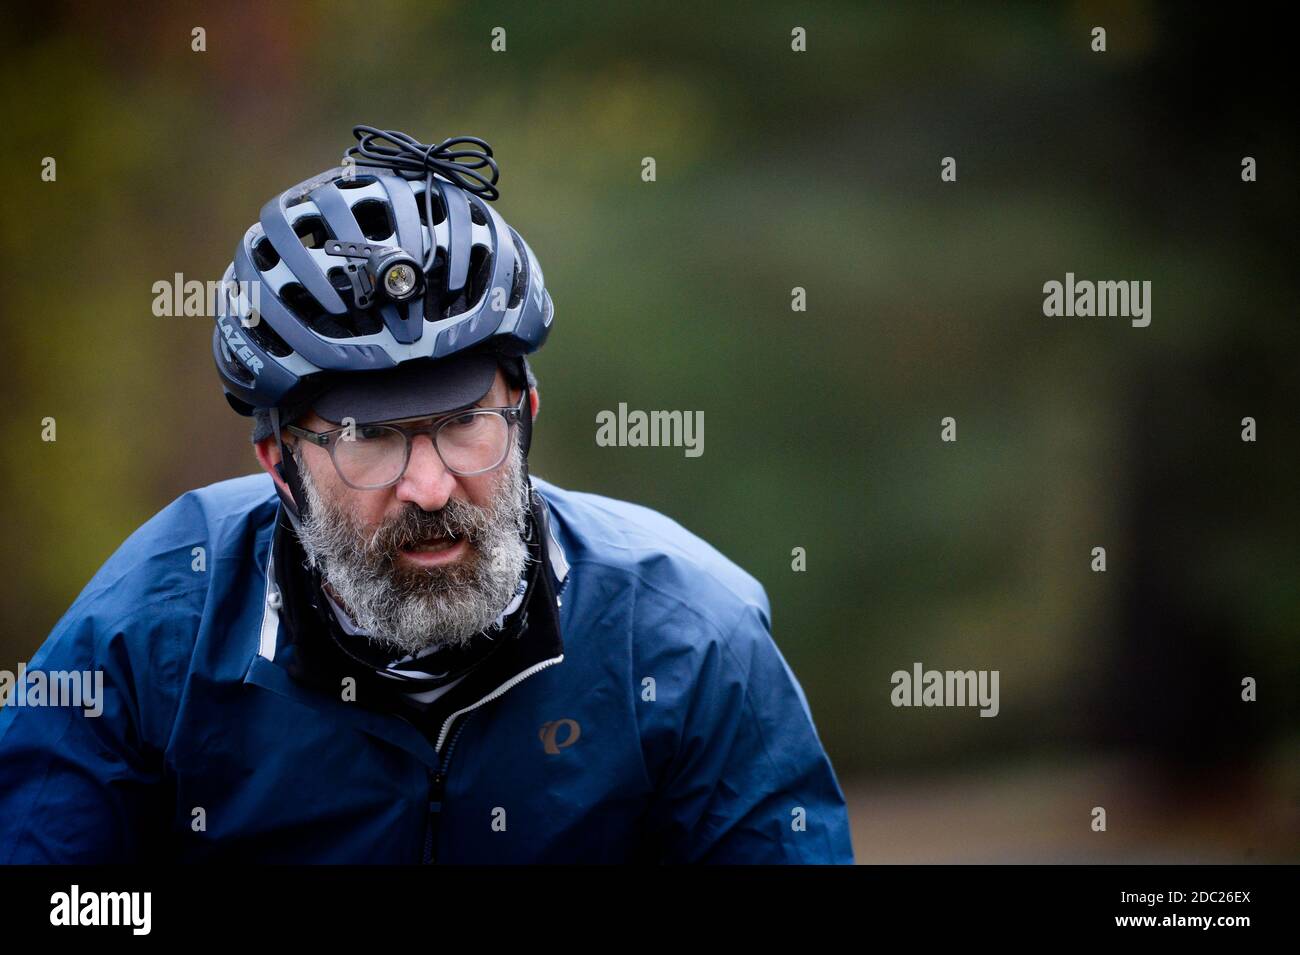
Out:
{"x": 436, "y": 782}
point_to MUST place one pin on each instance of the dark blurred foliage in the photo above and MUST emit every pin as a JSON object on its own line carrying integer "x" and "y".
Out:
{"x": 775, "y": 170}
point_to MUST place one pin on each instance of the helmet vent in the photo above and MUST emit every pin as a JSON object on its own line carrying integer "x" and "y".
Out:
{"x": 349, "y": 325}
{"x": 436, "y": 279}
{"x": 312, "y": 231}
{"x": 439, "y": 211}
{"x": 261, "y": 332}
{"x": 264, "y": 255}
{"x": 300, "y": 302}
{"x": 480, "y": 273}
{"x": 521, "y": 271}
{"x": 357, "y": 182}
{"x": 235, "y": 368}
{"x": 476, "y": 213}
{"x": 372, "y": 217}
{"x": 368, "y": 322}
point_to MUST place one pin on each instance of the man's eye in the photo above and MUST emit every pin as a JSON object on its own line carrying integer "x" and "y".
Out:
{"x": 369, "y": 434}
{"x": 462, "y": 421}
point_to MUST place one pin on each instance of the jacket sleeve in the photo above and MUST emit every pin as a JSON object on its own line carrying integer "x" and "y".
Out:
{"x": 750, "y": 781}
{"x": 80, "y": 786}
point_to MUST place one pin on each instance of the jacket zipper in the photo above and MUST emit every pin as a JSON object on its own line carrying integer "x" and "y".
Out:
{"x": 513, "y": 681}
{"x": 437, "y": 786}
{"x": 438, "y": 778}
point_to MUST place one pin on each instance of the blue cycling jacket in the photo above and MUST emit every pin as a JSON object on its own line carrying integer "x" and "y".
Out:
{"x": 654, "y": 720}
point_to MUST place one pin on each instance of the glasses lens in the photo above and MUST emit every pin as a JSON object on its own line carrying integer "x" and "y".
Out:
{"x": 475, "y": 441}
{"x": 372, "y": 458}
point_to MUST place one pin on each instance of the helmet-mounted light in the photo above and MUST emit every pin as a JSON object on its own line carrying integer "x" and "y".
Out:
{"x": 387, "y": 269}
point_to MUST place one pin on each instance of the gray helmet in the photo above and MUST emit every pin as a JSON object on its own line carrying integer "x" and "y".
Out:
{"x": 365, "y": 269}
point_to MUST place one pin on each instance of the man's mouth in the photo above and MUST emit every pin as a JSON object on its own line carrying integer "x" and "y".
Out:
{"x": 436, "y": 551}
{"x": 432, "y": 545}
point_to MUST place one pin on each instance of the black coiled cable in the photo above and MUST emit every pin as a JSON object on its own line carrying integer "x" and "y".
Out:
{"x": 413, "y": 159}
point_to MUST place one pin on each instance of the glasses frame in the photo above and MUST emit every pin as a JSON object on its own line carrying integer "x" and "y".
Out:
{"x": 329, "y": 440}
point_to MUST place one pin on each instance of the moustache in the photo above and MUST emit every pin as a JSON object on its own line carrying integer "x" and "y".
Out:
{"x": 414, "y": 525}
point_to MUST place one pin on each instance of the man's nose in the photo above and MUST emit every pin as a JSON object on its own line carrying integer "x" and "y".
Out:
{"x": 427, "y": 482}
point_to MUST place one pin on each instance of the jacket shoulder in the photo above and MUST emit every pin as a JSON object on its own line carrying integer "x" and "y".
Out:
{"x": 655, "y": 552}
{"x": 177, "y": 551}
{"x": 140, "y": 618}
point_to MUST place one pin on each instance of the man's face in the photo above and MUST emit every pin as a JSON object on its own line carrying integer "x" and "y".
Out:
{"x": 430, "y": 560}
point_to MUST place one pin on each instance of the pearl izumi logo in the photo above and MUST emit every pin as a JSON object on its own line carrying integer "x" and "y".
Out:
{"x": 75, "y": 907}
{"x": 559, "y": 734}
{"x": 924, "y": 687}
{"x": 651, "y": 429}
{"x": 1085, "y": 299}
{"x": 83, "y": 688}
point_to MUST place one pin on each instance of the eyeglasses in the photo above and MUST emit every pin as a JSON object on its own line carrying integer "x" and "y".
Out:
{"x": 372, "y": 456}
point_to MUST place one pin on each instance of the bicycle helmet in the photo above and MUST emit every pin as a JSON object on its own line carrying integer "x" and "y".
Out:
{"x": 313, "y": 291}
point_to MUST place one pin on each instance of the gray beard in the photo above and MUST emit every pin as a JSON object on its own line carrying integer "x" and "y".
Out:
{"x": 415, "y": 608}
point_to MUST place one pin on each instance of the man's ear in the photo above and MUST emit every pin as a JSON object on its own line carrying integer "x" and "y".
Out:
{"x": 268, "y": 456}
{"x": 534, "y": 401}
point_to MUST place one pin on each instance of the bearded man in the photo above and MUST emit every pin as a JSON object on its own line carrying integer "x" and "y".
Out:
{"x": 394, "y": 644}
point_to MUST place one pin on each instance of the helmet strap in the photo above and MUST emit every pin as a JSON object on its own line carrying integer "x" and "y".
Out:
{"x": 526, "y": 425}
{"x": 531, "y": 499}
{"x": 295, "y": 502}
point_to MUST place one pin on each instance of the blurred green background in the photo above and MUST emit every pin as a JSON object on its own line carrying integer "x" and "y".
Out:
{"x": 775, "y": 169}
